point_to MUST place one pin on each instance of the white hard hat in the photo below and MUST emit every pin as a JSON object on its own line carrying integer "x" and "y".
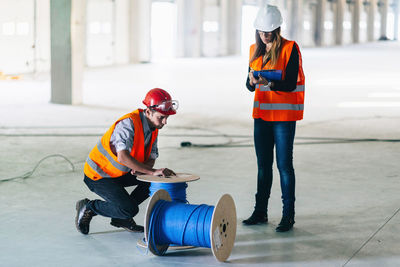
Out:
{"x": 268, "y": 19}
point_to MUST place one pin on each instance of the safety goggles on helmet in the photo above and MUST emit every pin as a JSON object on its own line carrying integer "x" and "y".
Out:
{"x": 168, "y": 107}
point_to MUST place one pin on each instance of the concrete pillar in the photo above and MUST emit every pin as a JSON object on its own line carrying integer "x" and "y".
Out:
{"x": 383, "y": 9}
{"x": 121, "y": 31}
{"x": 296, "y": 20}
{"x": 339, "y": 17}
{"x": 371, "y": 20}
{"x": 139, "y": 31}
{"x": 355, "y": 21}
{"x": 230, "y": 26}
{"x": 67, "y": 50}
{"x": 190, "y": 27}
{"x": 396, "y": 8}
{"x": 41, "y": 35}
{"x": 319, "y": 22}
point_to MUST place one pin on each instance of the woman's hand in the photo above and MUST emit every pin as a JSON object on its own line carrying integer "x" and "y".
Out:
{"x": 253, "y": 80}
{"x": 262, "y": 80}
{"x": 256, "y": 80}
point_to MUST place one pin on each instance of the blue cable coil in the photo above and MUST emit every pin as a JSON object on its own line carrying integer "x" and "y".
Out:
{"x": 177, "y": 191}
{"x": 180, "y": 224}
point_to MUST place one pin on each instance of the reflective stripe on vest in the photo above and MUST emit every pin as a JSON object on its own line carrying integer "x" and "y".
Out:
{"x": 96, "y": 168}
{"x": 117, "y": 165}
{"x": 266, "y": 88}
{"x": 264, "y": 106}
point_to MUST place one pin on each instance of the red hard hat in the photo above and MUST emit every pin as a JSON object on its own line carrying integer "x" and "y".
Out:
{"x": 159, "y": 100}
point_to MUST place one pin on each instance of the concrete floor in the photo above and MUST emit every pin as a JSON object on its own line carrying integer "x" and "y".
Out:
{"x": 346, "y": 159}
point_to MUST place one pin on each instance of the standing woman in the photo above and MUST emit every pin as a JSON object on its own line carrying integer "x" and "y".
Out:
{"x": 278, "y": 104}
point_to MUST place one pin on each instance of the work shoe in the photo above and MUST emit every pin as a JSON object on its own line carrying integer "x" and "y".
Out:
{"x": 256, "y": 218}
{"x": 83, "y": 216}
{"x": 128, "y": 224}
{"x": 286, "y": 224}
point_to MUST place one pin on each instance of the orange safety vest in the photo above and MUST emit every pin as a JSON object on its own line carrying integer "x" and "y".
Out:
{"x": 277, "y": 105}
{"x": 103, "y": 163}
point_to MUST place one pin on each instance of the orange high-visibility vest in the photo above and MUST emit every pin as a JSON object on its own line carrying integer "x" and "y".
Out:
{"x": 102, "y": 162}
{"x": 278, "y": 105}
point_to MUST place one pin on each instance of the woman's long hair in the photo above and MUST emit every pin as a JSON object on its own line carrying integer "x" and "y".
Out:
{"x": 273, "y": 53}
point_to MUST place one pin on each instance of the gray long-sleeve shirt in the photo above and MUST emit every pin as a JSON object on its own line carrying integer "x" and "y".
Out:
{"x": 124, "y": 132}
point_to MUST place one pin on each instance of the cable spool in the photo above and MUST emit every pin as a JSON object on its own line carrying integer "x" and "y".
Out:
{"x": 174, "y": 185}
{"x": 176, "y": 188}
{"x": 177, "y": 191}
{"x": 221, "y": 224}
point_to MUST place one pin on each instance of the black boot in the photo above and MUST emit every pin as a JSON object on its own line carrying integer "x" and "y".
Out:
{"x": 128, "y": 224}
{"x": 286, "y": 224}
{"x": 83, "y": 216}
{"x": 256, "y": 218}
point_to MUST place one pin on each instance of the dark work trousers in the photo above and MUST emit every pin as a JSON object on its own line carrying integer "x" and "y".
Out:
{"x": 118, "y": 203}
{"x": 280, "y": 134}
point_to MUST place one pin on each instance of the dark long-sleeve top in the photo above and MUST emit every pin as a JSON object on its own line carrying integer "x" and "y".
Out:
{"x": 291, "y": 73}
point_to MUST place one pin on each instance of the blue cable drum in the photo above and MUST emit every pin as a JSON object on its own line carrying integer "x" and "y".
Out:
{"x": 177, "y": 191}
{"x": 175, "y": 223}
{"x": 175, "y": 186}
{"x": 180, "y": 224}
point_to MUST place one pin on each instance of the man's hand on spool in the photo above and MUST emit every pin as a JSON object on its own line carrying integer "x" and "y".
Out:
{"x": 164, "y": 172}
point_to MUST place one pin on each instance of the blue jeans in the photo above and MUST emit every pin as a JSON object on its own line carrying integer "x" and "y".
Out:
{"x": 118, "y": 203}
{"x": 280, "y": 134}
